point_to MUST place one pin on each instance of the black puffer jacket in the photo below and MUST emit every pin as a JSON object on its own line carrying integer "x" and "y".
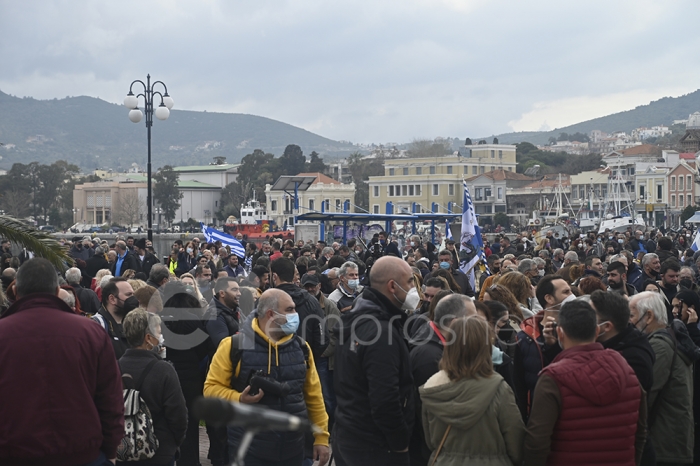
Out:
{"x": 162, "y": 393}
{"x": 634, "y": 346}
{"x": 311, "y": 318}
{"x": 373, "y": 382}
{"x": 221, "y": 321}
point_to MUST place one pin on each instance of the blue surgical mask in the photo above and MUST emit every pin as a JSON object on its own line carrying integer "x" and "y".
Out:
{"x": 292, "y": 323}
{"x": 445, "y": 265}
{"x": 353, "y": 284}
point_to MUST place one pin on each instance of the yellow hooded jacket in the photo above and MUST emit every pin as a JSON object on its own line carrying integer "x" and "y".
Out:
{"x": 218, "y": 383}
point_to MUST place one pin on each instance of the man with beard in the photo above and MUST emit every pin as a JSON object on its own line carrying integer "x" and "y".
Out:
{"x": 203, "y": 276}
{"x": 257, "y": 278}
{"x": 117, "y": 301}
{"x": 223, "y": 319}
{"x": 617, "y": 279}
{"x": 670, "y": 269}
{"x": 233, "y": 267}
{"x": 650, "y": 270}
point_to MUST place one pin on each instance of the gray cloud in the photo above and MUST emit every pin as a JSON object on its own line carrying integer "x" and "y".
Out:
{"x": 365, "y": 70}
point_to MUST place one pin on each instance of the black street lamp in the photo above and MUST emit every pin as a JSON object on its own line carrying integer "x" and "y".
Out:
{"x": 162, "y": 113}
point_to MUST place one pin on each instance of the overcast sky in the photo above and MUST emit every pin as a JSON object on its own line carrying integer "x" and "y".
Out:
{"x": 362, "y": 70}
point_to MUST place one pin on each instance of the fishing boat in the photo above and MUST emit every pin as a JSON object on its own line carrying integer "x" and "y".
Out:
{"x": 619, "y": 213}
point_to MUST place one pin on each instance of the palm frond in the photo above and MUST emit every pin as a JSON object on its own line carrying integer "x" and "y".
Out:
{"x": 41, "y": 244}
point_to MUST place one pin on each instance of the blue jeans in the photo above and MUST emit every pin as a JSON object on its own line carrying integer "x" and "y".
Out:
{"x": 327, "y": 388}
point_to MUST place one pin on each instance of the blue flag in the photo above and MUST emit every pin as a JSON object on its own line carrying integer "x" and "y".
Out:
{"x": 448, "y": 233}
{"x": 212, "y": 235}
{"x": 471, "y": 245}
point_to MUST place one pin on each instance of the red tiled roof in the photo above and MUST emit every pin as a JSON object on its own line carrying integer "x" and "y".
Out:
{"x": 320, "y": 178}
{"x": 687, "y": 155}
{"x": 644, "y": 149}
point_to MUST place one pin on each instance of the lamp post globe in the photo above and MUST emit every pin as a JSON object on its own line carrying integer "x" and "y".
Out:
{"x": 162, "y": 112}
{"x": 135, "y": 115}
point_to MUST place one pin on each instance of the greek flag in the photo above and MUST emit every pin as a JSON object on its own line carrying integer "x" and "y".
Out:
{"x": 212, "y": 235}
{"x": 471, "y": 245}
{"x": 448, "y": 233}
{"x": 696, "y": 243}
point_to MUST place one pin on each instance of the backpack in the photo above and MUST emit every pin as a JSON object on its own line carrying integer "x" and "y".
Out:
{"x": 139, "y": 442}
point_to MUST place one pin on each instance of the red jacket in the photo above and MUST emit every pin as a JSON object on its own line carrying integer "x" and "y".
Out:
{"x": 60, "y": 386}
{"x": 600, "y": 399}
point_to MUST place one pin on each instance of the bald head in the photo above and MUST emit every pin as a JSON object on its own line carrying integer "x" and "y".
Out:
{"x": 393, "y": 278}
{"x": 387, "y": 268}
{"x": 272, "y": 305}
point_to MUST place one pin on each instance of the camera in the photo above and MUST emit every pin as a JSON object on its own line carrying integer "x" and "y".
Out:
{"x": 258, "y": 380}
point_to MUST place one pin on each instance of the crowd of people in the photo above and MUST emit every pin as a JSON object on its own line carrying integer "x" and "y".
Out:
{"x": 557, "y": 350}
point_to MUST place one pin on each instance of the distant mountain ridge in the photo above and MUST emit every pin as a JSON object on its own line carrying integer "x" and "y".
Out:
{"x": 93, "y": 133}
{"x": 658, "y": 112}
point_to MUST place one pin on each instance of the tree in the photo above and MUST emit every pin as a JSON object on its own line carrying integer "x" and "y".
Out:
{"x": 316, "y": 164}
{"x": 292, "y": 161}
{"x": 688, "y": 212}
{"x": 51, "y": 179}
{"x": 428, "y": 148}
{"x": 16, "y": 204}
{"x": 38, "y": 242}
{"x": 166, "y": 192}
{"x": 130, "y": 207}
{"x": 232, "y": 196}
{"x": 501, "y": 219}
{"x": 361, "y": 170}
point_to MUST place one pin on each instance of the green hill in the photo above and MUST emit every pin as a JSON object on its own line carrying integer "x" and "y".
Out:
{"x": 93, "y": 134}
{"x": 659, "y": 112}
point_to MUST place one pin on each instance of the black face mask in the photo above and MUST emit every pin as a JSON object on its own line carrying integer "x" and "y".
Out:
{"x": 128, "y": 305}
{"x": 686, "y": 283}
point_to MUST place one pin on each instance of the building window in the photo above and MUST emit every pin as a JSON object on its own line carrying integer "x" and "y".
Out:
{"x": 375, "y": 208}
{"x": 411, "y": 190}
{"x": 328, "y": 204}
{"x": 690, "y": 199}
{"x": 510, "y": 169}
{"x": 659, "y": 192}
{"x": 500, "y": 194}
{"x": 274, "y": 205}
{"x": 466, "y": 170}
{"x": 689, "y": 183}
{"x": 376, "y": 191}
{"x": 391, "y": 191}
{"x": 681, "y": 198}
{"x": 673, "y": 200}
{"x": 481, "y": 170}
{"x": 493, "y": 154}
{"x": 487, "y": 192}
{"x": 500, "y": 154}
{"x": 436, "y": 190}
{"x": 681, "y": 184}
{"x": 477, "y": 194}
{"x": 449, "y": 169}
{"x": 311, "y": 204}
{"x": 405, "y": 171}
{"x": 432, "y": 170}
{"x": 404, "y": 190}
{"x": 492, "y": 168}
{"x": 418, "y": 190}
{"x": 673, "y": 183}
{"x": 337, "y": 205}
{"x": 641, "y": 191}
{"x": 419, "y": 170}
{"x": 450, "y": 190}
{"x": 391, "y": 172}
{"x": 474, "y": 170}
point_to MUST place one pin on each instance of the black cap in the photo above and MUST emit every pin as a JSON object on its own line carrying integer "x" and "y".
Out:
{"x": 140, "y": 243}
{"x": 309, "y": 279}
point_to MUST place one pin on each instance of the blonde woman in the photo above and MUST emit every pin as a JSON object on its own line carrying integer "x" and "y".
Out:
{"x": 188, "y": 280}
{"x": 467, "y": 407}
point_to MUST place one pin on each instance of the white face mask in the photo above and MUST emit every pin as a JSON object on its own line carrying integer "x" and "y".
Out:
{"x": 412, "y": 299}
{"x": 571, "y": 297}
{"x": 540, "y": 273}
